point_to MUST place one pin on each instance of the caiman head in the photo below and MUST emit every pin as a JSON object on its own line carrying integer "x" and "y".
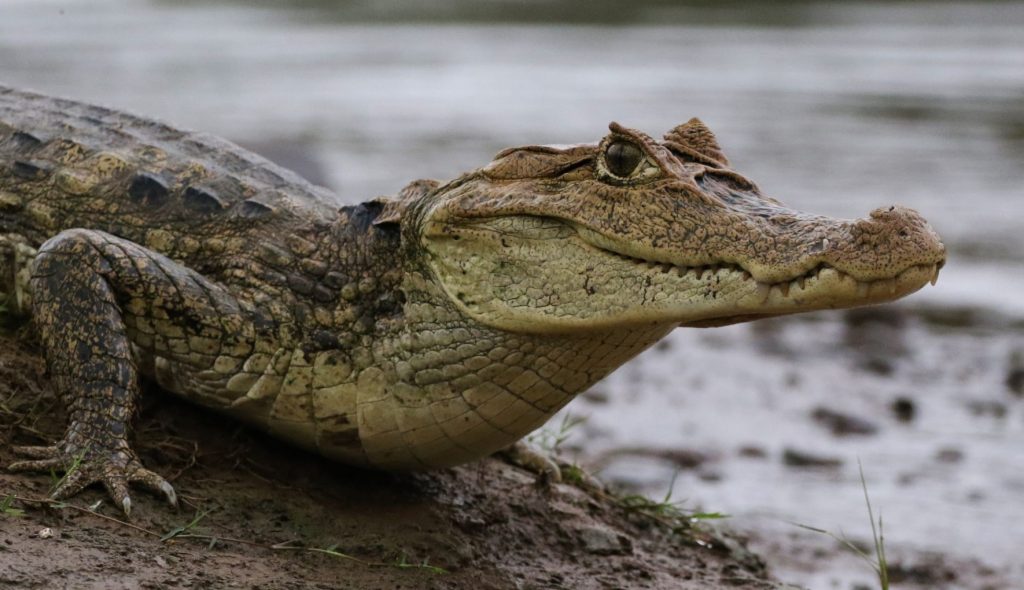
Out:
{"x": 633, "y": 231}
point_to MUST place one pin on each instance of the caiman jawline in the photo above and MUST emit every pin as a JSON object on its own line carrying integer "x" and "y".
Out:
{"x": 784, "y": 286}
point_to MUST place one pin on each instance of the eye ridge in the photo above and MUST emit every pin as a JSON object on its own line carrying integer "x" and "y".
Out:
{"x": 622, "y": 158}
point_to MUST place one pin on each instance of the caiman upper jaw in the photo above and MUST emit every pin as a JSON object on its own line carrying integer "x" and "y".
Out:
{"x": 792, "y": 246}
{"x": 890, "y": 254}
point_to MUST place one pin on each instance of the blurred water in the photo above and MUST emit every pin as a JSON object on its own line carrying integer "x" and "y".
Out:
{"x": 834, "y": 108}
{"x": 858, "y": 106}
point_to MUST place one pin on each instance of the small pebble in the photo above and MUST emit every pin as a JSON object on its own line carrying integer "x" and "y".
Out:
{"x": 794, "y": 458}
{"x": 841, "y": 424}
{"x": 949, "y": 455}
{"x": 904, "y": 409}
{"x": 603, "y": 540}
{"x": 990, "y": 408}
{"x": 1015, "y": 374}
{"x": 752, "y": 452}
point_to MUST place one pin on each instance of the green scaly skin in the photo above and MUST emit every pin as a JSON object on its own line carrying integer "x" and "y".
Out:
{"x": 418, "y": 332}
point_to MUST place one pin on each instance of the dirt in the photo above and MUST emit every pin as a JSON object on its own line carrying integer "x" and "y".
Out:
{"x": 268, "y": 516}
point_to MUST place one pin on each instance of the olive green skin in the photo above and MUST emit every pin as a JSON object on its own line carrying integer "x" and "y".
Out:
{"x": 422, "y": 331}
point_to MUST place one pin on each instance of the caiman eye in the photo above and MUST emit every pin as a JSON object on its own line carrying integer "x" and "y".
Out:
{"x": 622, "y": 158}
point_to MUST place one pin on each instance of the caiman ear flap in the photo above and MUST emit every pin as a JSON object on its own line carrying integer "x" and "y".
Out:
{"x": 695, "y": 138}
{"x": 394, "y": 208}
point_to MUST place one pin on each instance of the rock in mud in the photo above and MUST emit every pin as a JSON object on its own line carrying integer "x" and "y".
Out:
{"x": 904, "y": 409}
{"x": 603, "y": 540}
{"x": 1015, "y": 374}
{"x": 752, "y": 452}
{"x": 840, "y": 424}
{"x": 949, "y": 455}
{"x": 983, "y": 408}
{"x": 803, "y": 459}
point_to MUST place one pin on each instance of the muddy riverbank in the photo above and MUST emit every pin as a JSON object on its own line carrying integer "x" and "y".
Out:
{"x": 256, "y": 514}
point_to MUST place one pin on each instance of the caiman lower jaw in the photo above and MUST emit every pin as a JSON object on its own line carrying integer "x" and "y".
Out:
{"x": 822, "y": 287}
{"x": 783, "y": 299}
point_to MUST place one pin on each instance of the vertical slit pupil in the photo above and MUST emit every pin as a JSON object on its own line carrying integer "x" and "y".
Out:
{"x": 622, "y": 158}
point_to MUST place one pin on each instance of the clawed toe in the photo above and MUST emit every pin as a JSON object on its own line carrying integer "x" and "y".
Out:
{"x": 49, "y": 452}
{"x": 37, "y": 465}
{"x": 525, "y": 456}
{"x": 73, "y": 482}
{"x": 115, "y": 473}
{"x": 155, "y": 483}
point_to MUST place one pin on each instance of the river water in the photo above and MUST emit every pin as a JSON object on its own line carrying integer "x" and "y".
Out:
{"x": 836, "y": 108}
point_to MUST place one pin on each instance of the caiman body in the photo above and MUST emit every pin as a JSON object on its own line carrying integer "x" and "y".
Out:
{"x": 416, "y": 332}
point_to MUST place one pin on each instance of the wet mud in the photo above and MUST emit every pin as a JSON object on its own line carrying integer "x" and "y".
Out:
{"x": 777, "y": 420}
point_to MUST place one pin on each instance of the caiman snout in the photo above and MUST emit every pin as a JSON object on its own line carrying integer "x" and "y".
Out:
{"x": 889, "y": 241}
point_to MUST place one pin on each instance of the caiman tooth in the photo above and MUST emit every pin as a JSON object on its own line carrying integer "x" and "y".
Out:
{"x": 862, "y": 289}
{"x": 763, "y": 291}
{"x": 784, "y": 288}
{"x": 802, "y": 283}
{"x": 890, "y": 285}
{"x": 935, "y": 274}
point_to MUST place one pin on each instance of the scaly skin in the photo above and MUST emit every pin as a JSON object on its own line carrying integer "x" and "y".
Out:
{"x": 419, "y": 332}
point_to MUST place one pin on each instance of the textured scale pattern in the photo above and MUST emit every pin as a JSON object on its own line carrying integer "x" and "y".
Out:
{"x": 416, "y": 332}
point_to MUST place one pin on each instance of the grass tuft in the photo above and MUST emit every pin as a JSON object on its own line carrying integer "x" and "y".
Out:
{"x": 550, "y": 440}
{"x": 181, "y": 530}
{"x": 878, "y": 562}
{"x": 7, "y": 507}
{"x": 666, "y": 511}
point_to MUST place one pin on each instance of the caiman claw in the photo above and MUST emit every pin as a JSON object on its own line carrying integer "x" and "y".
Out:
{"x": 116, "y": 470}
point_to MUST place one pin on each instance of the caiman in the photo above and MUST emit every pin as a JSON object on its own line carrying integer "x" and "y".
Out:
{"x": 421, "y": 331}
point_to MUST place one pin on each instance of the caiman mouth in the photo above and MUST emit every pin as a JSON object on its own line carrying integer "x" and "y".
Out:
{"x": 544, "y": 273}
{"x": 796, "y": 283}
{"x": 773, "y": 297}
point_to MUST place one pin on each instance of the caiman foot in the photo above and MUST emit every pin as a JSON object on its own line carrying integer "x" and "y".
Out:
{"x": 523, "y": 455}
{"x": 547, "y": 469}
{"x": 114, "y": 469}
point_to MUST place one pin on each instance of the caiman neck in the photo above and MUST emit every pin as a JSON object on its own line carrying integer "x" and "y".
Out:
{"x": 476, "y": 388}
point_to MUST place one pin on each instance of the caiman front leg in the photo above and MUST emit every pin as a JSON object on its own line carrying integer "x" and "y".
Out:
{"x": 85, "y": 284}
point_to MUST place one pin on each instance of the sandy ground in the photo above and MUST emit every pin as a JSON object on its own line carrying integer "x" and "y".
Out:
{"x": 272, "y": 517}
